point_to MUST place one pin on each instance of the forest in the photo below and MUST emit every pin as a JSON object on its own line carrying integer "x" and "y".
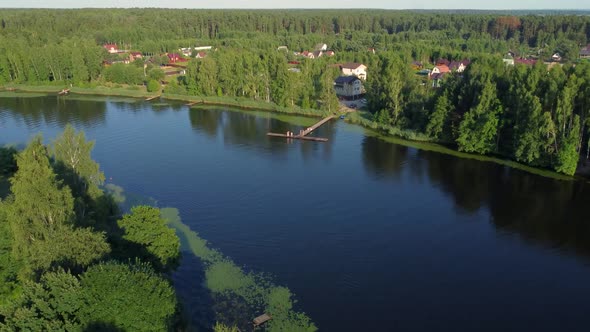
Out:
{"x": 69, "y": 259}
{"x": 534, "y": 114}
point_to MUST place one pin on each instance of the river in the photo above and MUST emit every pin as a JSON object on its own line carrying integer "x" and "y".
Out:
{"x": 369, "y": 235}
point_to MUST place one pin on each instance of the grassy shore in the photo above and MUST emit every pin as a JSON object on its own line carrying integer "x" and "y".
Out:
{"x": 246, "y": 104}
{"x": 120, "y": 91}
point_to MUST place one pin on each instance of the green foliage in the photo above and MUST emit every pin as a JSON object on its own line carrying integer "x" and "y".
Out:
{"x": 153, "y": 86}
{"x": 114, "y": 295}
{"x": 73, "y": 162}
{"x": 439, "y": 117}
{"x": 127, "y": 297}
{"x": 123, "y": 74}
{"x": 53, "y": 304}
{"x": 150, "y": 238}
{"x": 479, "y": 127}
{"x": 41, "y": 237}
{"x": 156, "y": 74}
{"x": 9, "y": 266}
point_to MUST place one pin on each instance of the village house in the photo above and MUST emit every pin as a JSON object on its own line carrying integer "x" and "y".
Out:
{"x": 135, "y": 55}
{"x": 354, "y": 69}
{"x": 308, "y": 54}
{"x": 459, "y": 66}
{"x": 203, "y": 48}
{"x": 282, "y": 48}
{"x": 186, "y": 51}
{"x": 509, "y": 59}
{"x": 321, "y": 47}
{"x": 330, "y": 53}
{"x": 525, "y": 61}
{"x": 175, "y": 57}
{"x": 440, "y": 69}
{"x": 442, "y": 62}
{"x": 111, "y": 48}
{"x": 585, "y": 52}
{"x": 317, "y": 54}
{"x": 348, "y": 87}
{"x": 371, "y": 50}
{"x": 200, "y": 55}
{"x": 556, "y": 57}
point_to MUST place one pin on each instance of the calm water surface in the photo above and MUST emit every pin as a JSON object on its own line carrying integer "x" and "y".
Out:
{"x": 370, "y": 236}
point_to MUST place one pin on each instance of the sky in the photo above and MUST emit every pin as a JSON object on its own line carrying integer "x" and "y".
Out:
{"x": 386, "y": 4}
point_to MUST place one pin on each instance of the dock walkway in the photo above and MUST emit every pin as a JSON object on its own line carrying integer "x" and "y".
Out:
{"x": 303, "y": 133}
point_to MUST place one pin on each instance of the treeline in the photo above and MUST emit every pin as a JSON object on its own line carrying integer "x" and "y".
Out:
{"x": 68, "y": 261}
{"x": 139, "y": 25}
{"x": 261, "y": 76}
{"x": 533, "y": 115}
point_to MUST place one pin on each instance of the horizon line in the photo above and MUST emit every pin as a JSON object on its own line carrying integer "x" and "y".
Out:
{"x": 317, "y": 8}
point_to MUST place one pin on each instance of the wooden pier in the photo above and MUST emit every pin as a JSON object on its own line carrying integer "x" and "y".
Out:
{"x": 151, "y": 98}
{"x": 63, "y": 92}
{"x": 305, "y": 138}
{"x": 261, "y": 319}
{"x": 303, "y": 133}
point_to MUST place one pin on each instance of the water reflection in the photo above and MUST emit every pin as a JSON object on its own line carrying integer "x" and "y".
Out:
{"x": 249, "y": 129}
{"x": 37, "y": 112}
{"x": 541, "y": 210}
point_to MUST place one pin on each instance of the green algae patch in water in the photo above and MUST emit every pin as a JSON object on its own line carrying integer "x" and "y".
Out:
{"x": 231, "y": 284}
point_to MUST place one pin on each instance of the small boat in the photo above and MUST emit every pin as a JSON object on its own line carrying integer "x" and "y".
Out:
{"x": 342, "y": 117}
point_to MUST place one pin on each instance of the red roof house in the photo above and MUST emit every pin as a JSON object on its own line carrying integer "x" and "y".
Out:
{"x": 175, "y": 57}
{"x": 111, "y": 48}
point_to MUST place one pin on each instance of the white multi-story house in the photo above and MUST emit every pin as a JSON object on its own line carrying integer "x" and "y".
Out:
{"x": 349, "y": 87}
{"x": 354, "y": 69}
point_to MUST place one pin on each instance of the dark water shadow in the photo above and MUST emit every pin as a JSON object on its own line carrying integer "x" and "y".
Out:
{"x": 102, "y": 327}
{"x": 196, "y": 300}
{"x": 542, "y": 211}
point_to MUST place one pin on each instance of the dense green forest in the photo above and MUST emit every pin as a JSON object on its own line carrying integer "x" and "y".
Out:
{"x": 532, "y": 114}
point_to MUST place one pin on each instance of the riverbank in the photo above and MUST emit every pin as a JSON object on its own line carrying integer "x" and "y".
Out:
{"x": 129, "y": 91}
{"x": 392, "y": 134}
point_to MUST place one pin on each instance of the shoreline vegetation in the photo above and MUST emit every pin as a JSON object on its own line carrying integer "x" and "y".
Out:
{"x": 95, "y": 257}
{"x": 389, "y": 133}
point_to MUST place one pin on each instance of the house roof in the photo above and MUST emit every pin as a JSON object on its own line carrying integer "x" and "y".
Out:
{"x": 201, "y": 54}
{"x": 109, "y": 46}
{"x": 529, "y": 62}
{"x": 585, "y": 51}
{"x": 443, "y": 68}
{"x": 317, "y": 54}
{"x": 351, "y": 65}
{"x": 346, "y": 79}
{"x": 135, "y": 53}
{"x": 442, "y": 62}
